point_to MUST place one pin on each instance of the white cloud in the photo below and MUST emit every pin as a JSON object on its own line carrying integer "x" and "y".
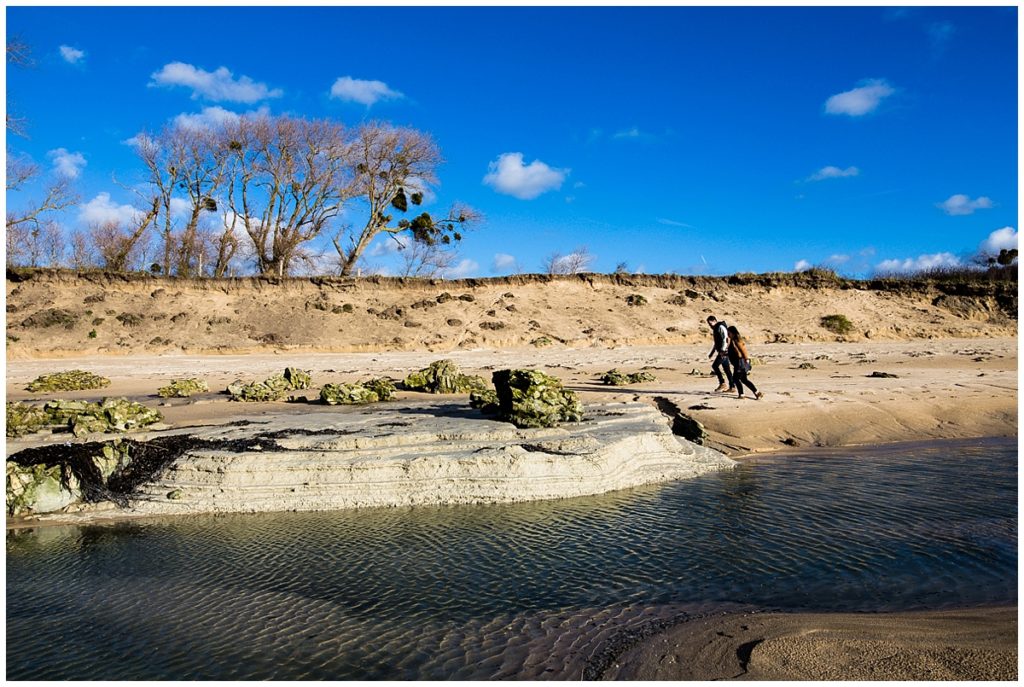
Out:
{"x": 71, "y": 55}
{"x": 802, "y": 266}
{"x": 920, "y": 263}
{"x": 960, "y": 204}
{"x": 101, "y": 210}
{"x": 389, "y": 244}
{"x": 180, "y": 207}
{"x": 510, "y": 176}
{"x": 503, "y": 262}
{"x": 67, "y": 164}
{"x": 998, "y": 240}
{"x": 465, "y": 268}
{"x": 217, "y": 85}
{"x": 837, "y": 259}
{"x": 674, "y": 223}
{"x": 832, "y": 172}
{"x": 361, "y": 91}
{"x": 861, "y": 100}
{"x": 415, "y": 184}
{"x": 209, "y": 118}
{"x": 137, "y": 140}
{"x": 632, "y": 134}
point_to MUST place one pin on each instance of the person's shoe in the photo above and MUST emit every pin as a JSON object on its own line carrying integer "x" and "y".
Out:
{"x": 740, "y": 396}
{"x": 721, "y": 387}
{"x": 759, "y": 395}
{"x": 730, "y": 390}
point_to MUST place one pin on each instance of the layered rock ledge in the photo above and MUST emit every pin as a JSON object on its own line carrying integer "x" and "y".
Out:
{"x": 424, "y": 454}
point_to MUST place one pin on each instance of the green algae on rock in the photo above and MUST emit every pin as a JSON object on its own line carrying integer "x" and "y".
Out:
{"x": 382, "y": 386}
{"x": 347, "y": 394}
{"x": 70, "y": 380}
{"x": 297, "y": 379}
{"x": 109, "y": 415}
{"x": 485, "y": 401}
{"x": 39, "y": 488}
{"x": 271, "y": 389}
{"x": 443, "y": 377}
{"x": 530, "y": 398}
{"x": 115, "y": 456}
{"x": 182, "y": 388}
{"x": 81, "y": 417}
{"x": 615, "y": 378}
{"x": 25, "y": 419}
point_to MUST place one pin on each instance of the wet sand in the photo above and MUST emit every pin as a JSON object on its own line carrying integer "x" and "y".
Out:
{"x": 974, "y": 644}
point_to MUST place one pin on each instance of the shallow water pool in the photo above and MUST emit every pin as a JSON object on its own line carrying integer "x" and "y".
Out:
{"x": 524, "y": 590}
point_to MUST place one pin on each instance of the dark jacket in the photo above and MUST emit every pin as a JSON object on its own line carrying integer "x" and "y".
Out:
{"x": 721, "y": 332}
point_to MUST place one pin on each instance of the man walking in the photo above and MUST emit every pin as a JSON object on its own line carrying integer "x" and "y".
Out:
{"x": 720, "y": 352}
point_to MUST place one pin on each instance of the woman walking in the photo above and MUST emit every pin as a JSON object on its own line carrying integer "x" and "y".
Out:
{"x": 740, "y": 363}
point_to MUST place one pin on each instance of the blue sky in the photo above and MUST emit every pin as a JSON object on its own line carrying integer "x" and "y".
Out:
{"x": 675, "y": 139}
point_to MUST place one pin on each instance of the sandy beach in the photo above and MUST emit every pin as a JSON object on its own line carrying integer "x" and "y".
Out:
{"x": 816, "y": 394}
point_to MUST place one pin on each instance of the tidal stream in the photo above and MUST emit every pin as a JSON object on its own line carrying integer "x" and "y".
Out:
{"x": 535, "y": 590}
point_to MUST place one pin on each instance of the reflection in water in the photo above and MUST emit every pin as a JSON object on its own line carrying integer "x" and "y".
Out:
{"x": 515, "y": 590}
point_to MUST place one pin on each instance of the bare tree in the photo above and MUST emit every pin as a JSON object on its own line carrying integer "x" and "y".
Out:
{"x": 289, "y": 178}
{"x": 34, "y": 245}
{"x": 578, "y": 261}
{"x": 118, "y": 245}
{"x": 200, "y": 157}
{"x": 162, "y": 176}
{"x": 32, "y": 236}
{"x": 425, "y": 260}
{"x": 394, "y": 166}
{"x": 18, "y": 54}
{"x": 82, "y": 257}
{"x": 227, "y": 244}
{"x": 31, "y": 233}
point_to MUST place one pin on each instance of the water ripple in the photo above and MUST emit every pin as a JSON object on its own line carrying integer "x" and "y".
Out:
{"x": 515, "y": 590}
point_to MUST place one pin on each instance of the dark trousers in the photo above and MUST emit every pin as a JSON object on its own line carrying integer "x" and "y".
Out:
{"x": 723, "y": 362}
{"x": 739, "y": 376}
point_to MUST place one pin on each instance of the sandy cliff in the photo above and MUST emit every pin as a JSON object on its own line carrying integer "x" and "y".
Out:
{"x": 55, "y": 314}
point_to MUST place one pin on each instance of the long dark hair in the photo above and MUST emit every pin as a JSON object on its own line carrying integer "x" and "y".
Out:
{"x": 734, "y": 334}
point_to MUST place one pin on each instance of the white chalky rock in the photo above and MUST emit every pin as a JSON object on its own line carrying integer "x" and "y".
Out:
{"x": 424, "y": 454}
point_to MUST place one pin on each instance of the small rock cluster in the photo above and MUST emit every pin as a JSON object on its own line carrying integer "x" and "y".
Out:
{"x": 271, "y": 389}
{"x": 81, "y": 417}
{"x": 70, "y": 380}
{"x": 443, "y": 377}
{"x": 615, "y": 378}
{"x": 182, "y": 388}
